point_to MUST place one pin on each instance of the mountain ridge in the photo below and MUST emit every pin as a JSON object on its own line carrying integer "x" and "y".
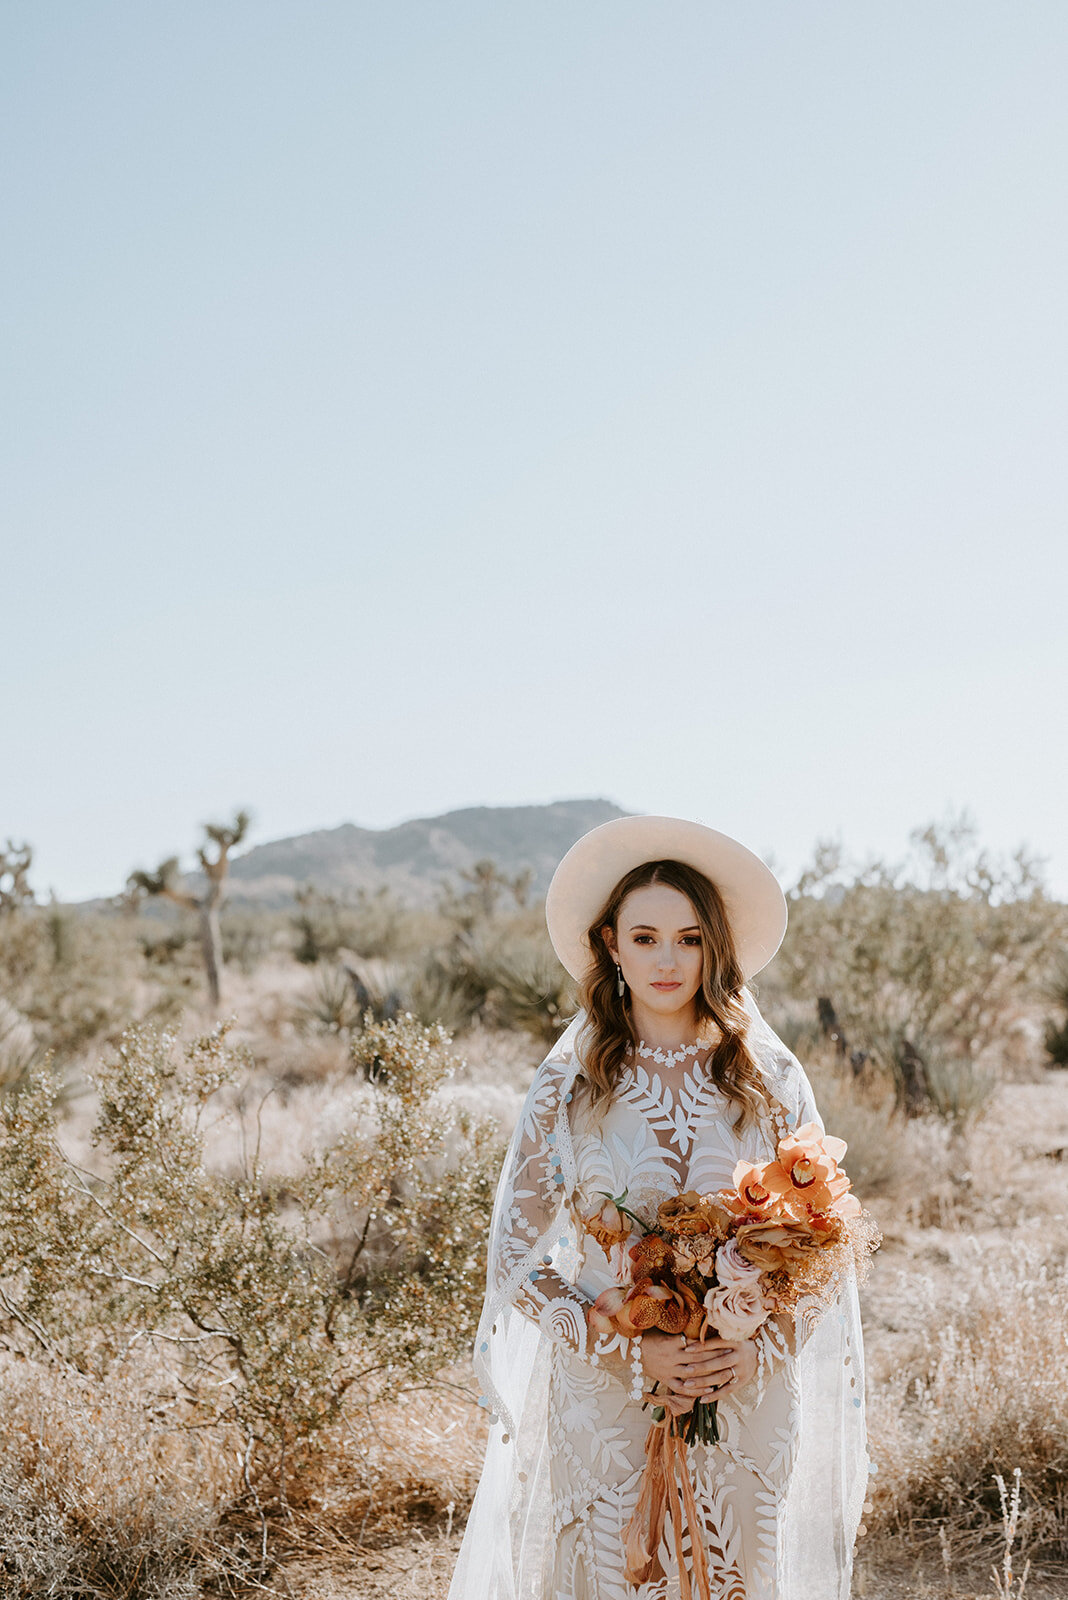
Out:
{"x": 414, "y": 858}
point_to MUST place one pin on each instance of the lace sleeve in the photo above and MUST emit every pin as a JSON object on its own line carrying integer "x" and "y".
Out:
{"x": 531, "y": 1240}
{"x": 533, "y": 1219}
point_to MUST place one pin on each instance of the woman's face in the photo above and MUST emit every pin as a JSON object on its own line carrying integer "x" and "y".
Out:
{"x": 657, "y": 942}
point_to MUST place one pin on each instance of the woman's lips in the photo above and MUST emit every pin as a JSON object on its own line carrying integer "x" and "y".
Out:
{"x": 667, "y": 985}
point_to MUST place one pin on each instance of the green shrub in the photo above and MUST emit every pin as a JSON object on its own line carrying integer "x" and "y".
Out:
{"x": 367, "y": 923}
{"x": 526, "y": 987}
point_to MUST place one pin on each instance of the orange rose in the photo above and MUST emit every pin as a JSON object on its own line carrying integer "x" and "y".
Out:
{"x": 776, "y": 1242}
{"x": 683, "y": 1214}
{"x": 607, "y": 1225}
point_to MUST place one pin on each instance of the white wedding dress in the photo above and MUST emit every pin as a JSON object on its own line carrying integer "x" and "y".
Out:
{"x": 779, "y": 1496}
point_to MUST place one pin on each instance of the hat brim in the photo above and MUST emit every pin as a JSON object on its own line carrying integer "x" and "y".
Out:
{"x": 754, "y": 902}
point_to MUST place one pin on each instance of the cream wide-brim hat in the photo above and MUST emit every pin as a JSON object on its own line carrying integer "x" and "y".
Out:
{"x": 581, "y": 884}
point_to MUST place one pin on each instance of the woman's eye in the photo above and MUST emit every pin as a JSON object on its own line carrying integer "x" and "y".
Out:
{"x": 643, "y": 938}
{"x": 691, "y": 938}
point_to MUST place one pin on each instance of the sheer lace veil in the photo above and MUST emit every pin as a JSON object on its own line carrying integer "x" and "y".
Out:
{"x": 506, "y": 1552}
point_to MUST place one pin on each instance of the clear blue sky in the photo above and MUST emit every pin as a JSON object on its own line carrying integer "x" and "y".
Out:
{"x": 416, "y": 405}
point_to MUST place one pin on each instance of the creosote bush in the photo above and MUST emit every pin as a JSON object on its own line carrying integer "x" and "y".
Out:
{"x": 278, "y": 1302}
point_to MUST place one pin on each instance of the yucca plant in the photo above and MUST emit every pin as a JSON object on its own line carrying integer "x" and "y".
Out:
{"x": 448, "y": 987}
{"x": 333, "y": 1006}
{"x": 526, "y": 986}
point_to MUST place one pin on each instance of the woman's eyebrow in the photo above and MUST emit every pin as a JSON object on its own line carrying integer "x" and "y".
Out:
{"x": 647, "y": 927}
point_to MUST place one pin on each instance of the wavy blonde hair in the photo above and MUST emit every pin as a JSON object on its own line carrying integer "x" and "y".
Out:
{"x": 608, "y": 1032}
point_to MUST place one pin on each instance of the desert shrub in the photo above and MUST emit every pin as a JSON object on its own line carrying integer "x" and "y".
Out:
{"x": 278, "y": 1300}
{"x": 933, "y": 1171}
{"x": 333, "y": 1006}
{"x": 16, "y": 892}
{"x": 448, "y": 986}
{"x": 958, "y": 1090}
{"x": 925, "y": 1165}
{"x": 980, "y": 1394}
{"x": 73, "y": 977}
{"x": 98, "y": 1496}
{"x": 370, "y": 923}
{"x": 482, "y": 958}
{"x": 925, "y": 966}
{"x": 19, "y": 1050}
{"x": 500, "y": 976}
{"x": 474, "y": 899}
{"x": 250, "y": 935}
{"x": 168, "y": 937}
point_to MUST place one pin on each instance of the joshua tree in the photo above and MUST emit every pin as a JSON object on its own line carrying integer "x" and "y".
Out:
{"x": 485, "y": 884}
{"x": 167, "y": 881}
{"x": 15, "y": 863}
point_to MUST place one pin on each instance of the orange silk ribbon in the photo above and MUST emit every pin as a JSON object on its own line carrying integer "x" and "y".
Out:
{"x": 662, "y": 1494}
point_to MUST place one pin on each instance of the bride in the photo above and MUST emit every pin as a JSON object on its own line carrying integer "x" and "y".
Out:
{"x": 665, "y": 1080}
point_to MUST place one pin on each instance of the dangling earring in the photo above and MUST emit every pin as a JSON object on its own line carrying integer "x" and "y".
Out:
{"x": 621, "y": 987}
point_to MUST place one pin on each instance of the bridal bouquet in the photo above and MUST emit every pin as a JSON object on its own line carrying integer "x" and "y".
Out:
{"x": 723, "y": 1264}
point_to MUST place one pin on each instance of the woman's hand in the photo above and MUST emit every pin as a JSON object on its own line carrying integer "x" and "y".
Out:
{"x": 697, "y": 1369}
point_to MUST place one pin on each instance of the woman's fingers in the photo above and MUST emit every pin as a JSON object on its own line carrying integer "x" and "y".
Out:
{"x": 696, "y": 1367}
{"x": 707, "y": 1366}
{"x": 709, "y": 1388}
{"x": 714, "y": 1359}
{"x": 706, "y": 1371}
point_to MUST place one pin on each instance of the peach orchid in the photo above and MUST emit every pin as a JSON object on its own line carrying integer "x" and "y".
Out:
{"x": 810, "y": 1158}
{"x": 759, "y": 1189}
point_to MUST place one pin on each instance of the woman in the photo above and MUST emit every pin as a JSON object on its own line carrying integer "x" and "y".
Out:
{"x": 666, "y": 1079}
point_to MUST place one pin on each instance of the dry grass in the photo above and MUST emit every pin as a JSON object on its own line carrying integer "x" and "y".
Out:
{"x": 974, "y": 1387}
{"x": 97, "y": 1494}
{"x": 965, "y": 1322}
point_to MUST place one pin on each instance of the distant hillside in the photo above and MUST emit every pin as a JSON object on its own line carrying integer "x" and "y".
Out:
{"x": 414, "y": 858}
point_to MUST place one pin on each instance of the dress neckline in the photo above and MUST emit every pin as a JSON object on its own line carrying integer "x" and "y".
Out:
{"x": 670, "y": 1058}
